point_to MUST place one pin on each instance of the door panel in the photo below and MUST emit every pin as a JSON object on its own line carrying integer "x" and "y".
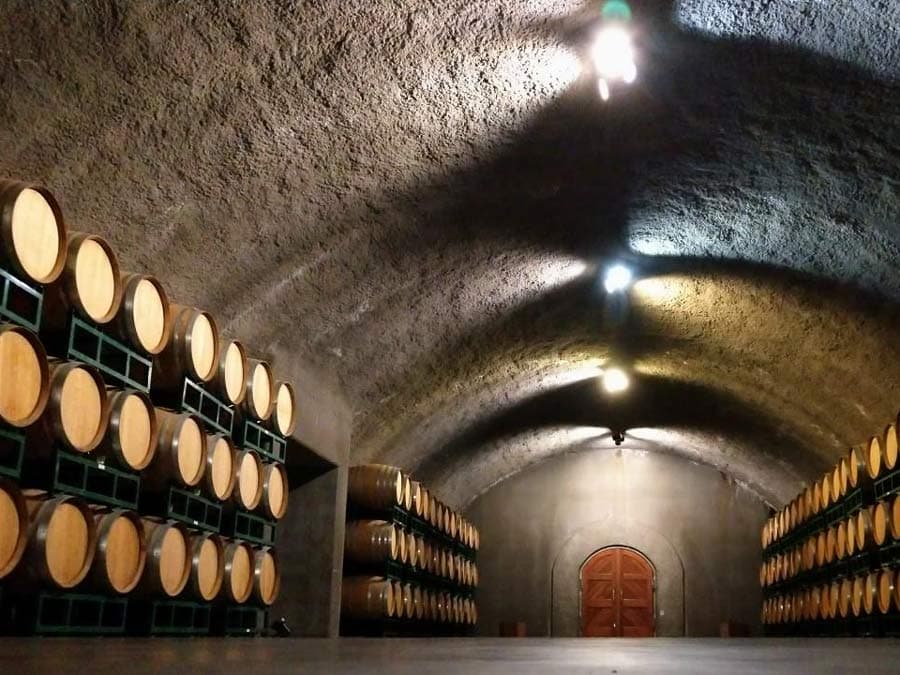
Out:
{"x": 617, "y": 595}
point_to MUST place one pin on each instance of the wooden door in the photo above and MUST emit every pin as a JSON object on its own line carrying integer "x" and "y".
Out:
{"x": 617, "y": 595}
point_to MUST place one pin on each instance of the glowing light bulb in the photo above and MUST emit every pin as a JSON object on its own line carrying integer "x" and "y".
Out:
{"x": 615, "y": 381}
{"x": 613, "y": 58}
{"x": 618, "y": 278}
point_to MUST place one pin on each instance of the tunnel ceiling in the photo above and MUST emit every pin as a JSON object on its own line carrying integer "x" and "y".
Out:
{"x": 414, "y": 200}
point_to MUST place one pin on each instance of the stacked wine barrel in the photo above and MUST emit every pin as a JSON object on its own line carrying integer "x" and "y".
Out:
{"x": 57, "y": 413}
{"x": 831, "y": 557}
{"x": 409, "y": 560}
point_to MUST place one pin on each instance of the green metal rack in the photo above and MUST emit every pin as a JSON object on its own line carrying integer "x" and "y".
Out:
{"x": 256, "y": 437}
{"x": 242, "y": 621}
{"x": 20, "y": 302}
{"x": 12, "y": 452}
{"x": 169, "y": 617}
{"x": 250, "y": 527}
{"x": 112, "y": 358}
{"x": 207, "y": 407}
{"x": 189, "y": 508}
{"x": 888, "y": 485}
{"x": 94, "y": 480}
{"x": 48, "y": 613}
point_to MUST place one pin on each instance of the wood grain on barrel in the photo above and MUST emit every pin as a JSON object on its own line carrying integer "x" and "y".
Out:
{"x": 22, "y": 379}
{"x": 889, "y": 453}
{"x": 276, "y": 493}
{"x": 191, "y": 455}
{"x": 124, "y": 554}
{"x": 135, "y": 430}
{"x": 885, "y": 590}
{"x": 241, "y": 573}
{"x": 234, "y": 374}
{"x": 209, "y": 569}
{"x": 203, "y": 346}
{"x": 10, "y": 531}
{"x": 261, "y": 393}
{"x": 35, "y": 235}
{"x": 284, "y": 408}
{"x": 268, "y": 578}
{"x": 221, "y": 467}
{"x": 149, "y": 316}
{"x": 96, "y": 281}
{"x": 249, "y": 480}
{"x": 67, "y": 545}
{"x": 81, "y": 405}
{"x": 173, "y": 561}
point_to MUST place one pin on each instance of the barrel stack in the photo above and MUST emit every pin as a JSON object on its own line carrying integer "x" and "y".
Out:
{"x": 409, "y": 560}
{"x": 141, "y": 453}
{"x": 831, "y": 557}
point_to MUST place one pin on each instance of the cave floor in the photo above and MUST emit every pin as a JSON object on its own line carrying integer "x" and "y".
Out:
{"x": 425, "y": 657}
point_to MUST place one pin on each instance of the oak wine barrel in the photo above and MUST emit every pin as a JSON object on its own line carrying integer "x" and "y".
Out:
{"x": 817, "y": 497}
{"x": 809, "y": 553}
{"x": 821, "y": 548}
{"x": 24, "y": 376}
{"x": 837, "y": 486}
{"x": 433, "y": 510}
{"x": 62, "y": 540}
{"x": 412, "y": 551}
{"x": 815, "y": 603}
{"x": 32, "y": 232}
{"x": 421, "y": 552}
{"x": 886, "y": 581}
{"x": 274, "y": 499}
{"x": 90, "y": 283}
{"x": 13, "y": 526}
{"x": 417, "y": 498}
{"x": 889, "y": 447}
{"x": 143, "y": 318}
{"x": 260, "y": 396}
{"x": 418, "y": 603}
{"x": 248, "y": 489}
{"x": 856, "y": 462}
{"x": 220, "y": 476}
{"x": 856, "y": 600}
{"x": 284, "y": 414}
{"x": 840, "y": 550}
{"x": 266, "y": 576}
{"x": 830, "y": 545}
{"x": 865, "y": 537}
{"x": 77, "y": 409}
{"x": 404, "y": 599}
{"x": 121, "y": 551}
{"x": 238, "y": 579}
{"x": 131, "y": 429}
{"x": 180, "y": 452}
{"x": 407, "y": 493}
{"x": 881, "y": 523}
{"x": 368, "y": 598}
{"x": 895, "y": 517}
{"x": 192, "y": 350}
{"x": 833, "y": 599}
{"x": 426, "y": 504}
{"x": 844, "y": 469}
{"x": 826, "y": 496}
{"x": 846, "y": 596}
{"x": 870, "y": 592}
{"x": 371, "y": 541}
{"x": 873, "y": 458}
{"x": 169, "y": 559}
{"x": 375, "y": 486}
{"x": 851, "y": 536}
{"x": 232, "y": 372}
{"x": 207, "y": 566}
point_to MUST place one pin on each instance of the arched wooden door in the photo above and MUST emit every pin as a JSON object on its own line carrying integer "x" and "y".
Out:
{"x": 617, "y": 594}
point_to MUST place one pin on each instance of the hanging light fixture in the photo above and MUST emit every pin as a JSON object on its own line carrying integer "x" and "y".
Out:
{"x": 612, "y": 52}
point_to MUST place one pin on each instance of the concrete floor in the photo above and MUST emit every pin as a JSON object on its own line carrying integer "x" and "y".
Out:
{"x": 433, "y": 657}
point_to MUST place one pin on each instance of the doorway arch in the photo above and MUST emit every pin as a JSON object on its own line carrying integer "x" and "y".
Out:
{"x": 617, "y": 594}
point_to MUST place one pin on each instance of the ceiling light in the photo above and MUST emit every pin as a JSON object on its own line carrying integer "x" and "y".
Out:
{"x": 613, "y": 58}
{"x": 618, "y": 278}
{"x": 615, "y": 380}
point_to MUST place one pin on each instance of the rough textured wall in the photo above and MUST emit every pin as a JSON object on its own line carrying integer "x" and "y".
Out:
{"x": 690, "y": 520}
{"x": 411, "y": 200}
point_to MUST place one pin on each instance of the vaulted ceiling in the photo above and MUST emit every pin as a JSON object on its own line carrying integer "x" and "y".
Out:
{"x": 416, "y": 198}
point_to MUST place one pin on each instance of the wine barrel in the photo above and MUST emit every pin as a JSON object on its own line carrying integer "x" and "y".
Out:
{"x": 368, "y": 598}
{"x": 797, "y": 560}
{"x": 443, "y": 608}
{"x": 169, "y": 559}
{"x": 856, "y": 462}
{"x": 207, "y": 563}
{"x": 62, "y": 540}
{"x": 885, "y": 590}
{"x": 232, "y": 372}
{"x": 417, "y": 505}
{"x": 477, "y": 540}
{"x": 859, "y": 595}
{"x": 402, "y": 553}
{"x": 418, "y": 604}
{"x": 371, "y": 542}
{"x": 764, "y": 536}
{"x": 846, "y": 596}
{"x": 821, "y": 548}
{"x": 851, "y": 536}
{"x": 817, "y": 497}
{"x": 90, "y": 284}
{"x": 809, "y": 553}
{"x": 274, "y": 501}
{"x": 76, "y": 415}
{"x": 131, "y": 430}
{"x": 889, "y": 452}
{"x": 844, "y": 469}
{"x": 24, "y": 377}
{"x": 881, "y": 523}
{"x": 808, "y": 503}
{"x": 793, "y": 516}
{"x": 407, "y": 493}
{"x": 870, "y": 593}
{"x": 433, "y": 510}
{"x": 873, "y": 458}
{"x": 180, "y": 452}
{"x": 837, "y": 486}
{"x": 143, "y": 318}
{"x": 830, "y": 545}
{"x": 434, "y": 561}
{"x": 827, "y": 498}
{"x": 121, "y": 551}
{"x": 284, "y": 415}
{"x": 421, "y": 552}
{"x": 375, "y": 486}
{"x": 895, "y": 518}
{"x": 32, "y": 232}
{"x": 814, "y": 602}
{"x": 13, "y": 526}
{"x": 220, "y": 476}
{"x": 260, "y": 397}
{"x": 248, "y": 489}
{"x": 425, "y": 504}
{"x": 238, "y": 581}
{"x": 406, "y": 601}
{"x": 865, "y": 538}
{"x": 833, "y": 599}
{"x": 192, "y": 350}
{"x": 412, "y": 552}
{"x": 840, "y": 550}
{"x": 266, "y": 576}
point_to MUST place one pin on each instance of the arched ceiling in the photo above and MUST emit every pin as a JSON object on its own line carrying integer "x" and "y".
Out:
{"x": 416, "y": 199}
